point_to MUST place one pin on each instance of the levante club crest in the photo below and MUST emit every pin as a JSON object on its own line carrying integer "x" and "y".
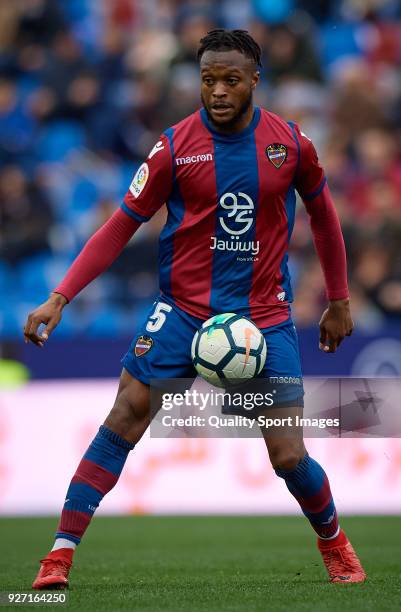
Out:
{"x": 143, "y": 345}
{"x": 277, "y": 154}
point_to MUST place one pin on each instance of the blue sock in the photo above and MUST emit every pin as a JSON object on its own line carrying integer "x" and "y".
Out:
{"x": 96, "y": 475}
{"x": 310, "y": 486}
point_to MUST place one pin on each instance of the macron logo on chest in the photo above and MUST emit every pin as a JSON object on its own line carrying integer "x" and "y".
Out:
{"x": 194, "y": 159}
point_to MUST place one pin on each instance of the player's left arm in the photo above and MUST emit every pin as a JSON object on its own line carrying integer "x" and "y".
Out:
{"x": 311, "y": 184}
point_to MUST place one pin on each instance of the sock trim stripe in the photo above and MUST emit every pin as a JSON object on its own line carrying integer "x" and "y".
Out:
{"x": 67, "y": 536}
{"x": 73, "y": 523}
{"x": 94, "y": 475}
{"x": 332, "y": 537}
{"x": 105, "y": 432}
{"x": 107, "y": 455}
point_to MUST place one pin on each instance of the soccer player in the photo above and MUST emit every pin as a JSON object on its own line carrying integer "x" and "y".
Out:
{"x": 228, "y": 175}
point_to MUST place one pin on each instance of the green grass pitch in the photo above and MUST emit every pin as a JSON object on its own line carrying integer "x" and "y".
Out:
{"x": 208, "y": 563}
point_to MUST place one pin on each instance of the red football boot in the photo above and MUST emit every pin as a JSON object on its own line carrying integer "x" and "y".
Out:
{"x": 54, "y": 570}
{"x": 341, "y": 560}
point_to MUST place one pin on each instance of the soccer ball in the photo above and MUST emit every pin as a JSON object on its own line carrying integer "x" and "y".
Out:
{"x": 227, "y": 349}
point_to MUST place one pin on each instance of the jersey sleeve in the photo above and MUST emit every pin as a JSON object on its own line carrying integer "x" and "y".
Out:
{"x": 311, "y": 184}
{"x": 98, "y": 254}
{"x": 309, "y": 178}
{"x": 152, "y": 183}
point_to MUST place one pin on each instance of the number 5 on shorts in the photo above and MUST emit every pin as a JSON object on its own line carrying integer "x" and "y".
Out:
{"x": 158, "y": 318}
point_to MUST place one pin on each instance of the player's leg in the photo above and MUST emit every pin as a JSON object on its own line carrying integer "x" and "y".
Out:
{"x": 103, "y": 462}
{"x": 97, "y": 473}
{"x": 308, "y": 483}
{"x": 151, "y": 356}
{"x": 304, "y": 476}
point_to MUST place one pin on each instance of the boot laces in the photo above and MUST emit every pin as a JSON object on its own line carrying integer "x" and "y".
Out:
{"x": 337, "y": 562}
{"x": 52, "y": 567}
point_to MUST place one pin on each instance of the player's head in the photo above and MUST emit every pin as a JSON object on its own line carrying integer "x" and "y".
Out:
{"x": 229, "y": 65}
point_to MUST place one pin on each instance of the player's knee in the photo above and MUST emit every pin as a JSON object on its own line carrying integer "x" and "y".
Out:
{"x": 129, "y": 416}
{"x": 286, "y": 456}
{"x": 127, "y": 419}
{"x": 287, "y": 462}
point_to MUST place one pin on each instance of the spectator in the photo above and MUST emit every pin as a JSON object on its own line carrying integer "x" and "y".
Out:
{"x": 289, "y": 54}
{"x": 39, "y": 21}
{"x": 25, "y": 216}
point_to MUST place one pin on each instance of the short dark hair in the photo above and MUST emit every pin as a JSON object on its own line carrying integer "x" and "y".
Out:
{"x": 226, "y": 40}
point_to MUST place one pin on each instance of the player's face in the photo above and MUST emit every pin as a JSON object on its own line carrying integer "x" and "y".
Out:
{"x": 228, "y": 79}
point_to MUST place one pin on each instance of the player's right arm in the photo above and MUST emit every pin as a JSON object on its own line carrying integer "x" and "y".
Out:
{"x": 148, "y": 191}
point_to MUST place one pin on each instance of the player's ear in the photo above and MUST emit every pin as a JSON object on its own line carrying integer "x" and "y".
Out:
{"x": 255, "y": 78}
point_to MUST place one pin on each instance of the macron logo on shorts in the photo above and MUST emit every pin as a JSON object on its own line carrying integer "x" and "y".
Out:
{"x": 194, "y": 159}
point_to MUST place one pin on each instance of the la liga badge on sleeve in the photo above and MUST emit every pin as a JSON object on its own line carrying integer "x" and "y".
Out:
{"x": 140, "y": 179}
{"x": 276, "y": 154}
{"x": 143, "y": 345}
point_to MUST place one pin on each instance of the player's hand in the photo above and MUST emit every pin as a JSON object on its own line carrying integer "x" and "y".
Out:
{"x": 335, "y": 324}
{"x": 48, "y": 313}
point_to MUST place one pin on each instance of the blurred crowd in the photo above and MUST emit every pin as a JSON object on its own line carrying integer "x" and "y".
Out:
{"x": 86, "y": 87}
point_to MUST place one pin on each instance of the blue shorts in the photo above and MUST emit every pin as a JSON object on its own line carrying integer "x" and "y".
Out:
{"x": 162, "y": 349}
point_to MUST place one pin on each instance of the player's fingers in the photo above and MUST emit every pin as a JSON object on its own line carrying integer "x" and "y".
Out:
{"x": 331, "y": 345}
{"x": 26, "y": 328}
{"x": 350, "y": 328}
{"x": 31, "y": 332}
{"x": 51, "y": 325}
{"x": 33, "y": 328}
{"x": 322, "y": 337}
{"x": 35, "y": 339}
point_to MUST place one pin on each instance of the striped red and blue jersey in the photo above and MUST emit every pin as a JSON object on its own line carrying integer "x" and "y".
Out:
{"x": 231, "y": 207}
